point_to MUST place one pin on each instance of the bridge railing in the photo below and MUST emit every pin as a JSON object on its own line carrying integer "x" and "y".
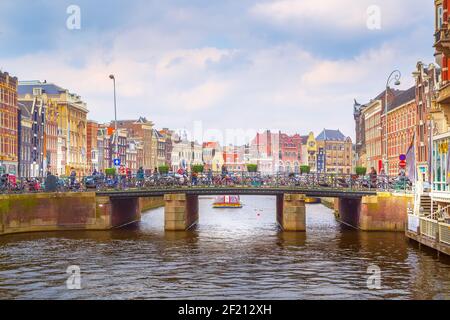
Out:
{"x": 209, "y": 179}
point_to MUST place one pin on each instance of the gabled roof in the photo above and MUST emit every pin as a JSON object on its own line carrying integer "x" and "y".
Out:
{"x": 304, "y": 139}
{"x": 404, "y": 97}
{"x": 331, "y": 135}
{"x": 27, "y": 87}
{"x": 25, "y": 108}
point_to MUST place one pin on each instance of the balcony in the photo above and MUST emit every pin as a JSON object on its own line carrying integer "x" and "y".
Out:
{"x": 442, "y": 41}
{"x": 443, "y": 96}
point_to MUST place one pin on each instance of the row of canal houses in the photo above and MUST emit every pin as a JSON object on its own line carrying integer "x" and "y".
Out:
{"x": 41, "y": 126}
{"x": 429, "y": 218}
{"x": 44, "y": 128}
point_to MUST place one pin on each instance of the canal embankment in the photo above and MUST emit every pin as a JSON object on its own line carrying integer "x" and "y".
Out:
{"x": 40, "y": 212}
{"x": 382, "y": 212}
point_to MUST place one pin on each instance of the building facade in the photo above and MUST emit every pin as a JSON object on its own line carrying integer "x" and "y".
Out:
{"x": 401, "y": 127}
{"x": 9, "y": 124}
{"x": 264, "y": 152}
{"x": 35, "y": 161}
{"x": 72, "y": 124}
{"x": 360, "y": 134}
{"x": 93, "y": 158}
{"x": 309, "y": 152}
{"x": 181, "y": 157}
{"x": 290, "y": 156}
{"x": 337, "y": 150}
{"x": 141, "y": 131}
{"x": 25, "y": 142}
{"x": 425, "y": 80}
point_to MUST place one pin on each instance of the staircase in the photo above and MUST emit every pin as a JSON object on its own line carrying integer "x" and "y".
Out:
{"x": 425, "y": 204}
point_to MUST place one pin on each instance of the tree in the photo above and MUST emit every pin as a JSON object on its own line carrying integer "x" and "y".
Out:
{"x": 361, "y": 171}
{"x": 252, "y": 168}
{"x": 305, "y": 169}
{"x": 110, "y": 171}
{"x": 163, "y": 169}
{"x": 198, "y": 168}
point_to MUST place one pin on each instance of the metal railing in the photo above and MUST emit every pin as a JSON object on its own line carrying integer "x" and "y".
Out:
{"x": 444, "y": 233}
{"x": 101, "y": 182}
{"x": 413, "y": 223}
{"x": 428, "y": 227}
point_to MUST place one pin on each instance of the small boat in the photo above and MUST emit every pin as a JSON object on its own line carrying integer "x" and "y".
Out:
{"x": 312, "y": 200}
{"x": 233, "y": 202}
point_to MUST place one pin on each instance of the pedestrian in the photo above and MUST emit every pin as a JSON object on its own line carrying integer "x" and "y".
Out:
{"x": 140, "y": 177}
{"x": 123, "y": 176}
{"x": 194, "y": 178}
{"x": 73, "y": 176}
{"x": 373, "y": 177}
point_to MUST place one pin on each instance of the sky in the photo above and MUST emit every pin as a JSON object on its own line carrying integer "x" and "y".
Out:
{"x": 290, "y": 65}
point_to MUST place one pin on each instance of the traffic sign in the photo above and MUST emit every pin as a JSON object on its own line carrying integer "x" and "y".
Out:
{"x": 402, "y": 163}
{"x": 117, "y": 162}
{"x": 402, "y": 157}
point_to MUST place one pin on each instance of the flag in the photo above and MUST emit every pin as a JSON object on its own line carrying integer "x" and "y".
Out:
{"x": 411, "y": 161}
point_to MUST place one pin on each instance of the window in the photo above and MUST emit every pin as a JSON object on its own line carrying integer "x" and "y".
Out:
{"x": 37, "y": 91}
{"x": 440, "y": 17}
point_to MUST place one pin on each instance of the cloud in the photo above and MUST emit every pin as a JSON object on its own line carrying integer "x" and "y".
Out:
{"x": 172, "y": 66}
{"x": 334, "y": 16}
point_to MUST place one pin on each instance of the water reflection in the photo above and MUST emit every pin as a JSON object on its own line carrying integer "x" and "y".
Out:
{"x": 231, "y": 254}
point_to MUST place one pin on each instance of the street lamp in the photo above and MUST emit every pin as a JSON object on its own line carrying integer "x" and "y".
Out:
{"x": 113, "y": 78}
{"x": 395, "y": 75}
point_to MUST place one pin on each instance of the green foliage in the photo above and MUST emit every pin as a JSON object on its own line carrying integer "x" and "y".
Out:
{"x": 305, "y": 169}
{"x": 361, "y": 171}
{"x": 198, "y": 168}
{"x": 110, "y": 171}
{"x": 163, "y": 169}
{"x": 252, "y": 168}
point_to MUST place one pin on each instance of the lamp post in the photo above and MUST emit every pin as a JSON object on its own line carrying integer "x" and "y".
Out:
{"x": 395, "y": 75}
{"x": 113, "y": 78}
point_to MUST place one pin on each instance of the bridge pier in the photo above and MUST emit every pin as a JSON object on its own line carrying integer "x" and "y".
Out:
{"x": 291, "y": 212}
{"x": 382, "y": 212}
{"x": 181, "y": 212}
{"x": 118, "y": 212}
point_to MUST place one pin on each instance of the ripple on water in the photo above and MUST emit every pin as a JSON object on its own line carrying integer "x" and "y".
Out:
{"x": 232, "y": 254}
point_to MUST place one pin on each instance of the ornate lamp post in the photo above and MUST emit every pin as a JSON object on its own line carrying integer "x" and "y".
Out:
{"x": 394, "y": 76}
{"x": 113, "y": 78}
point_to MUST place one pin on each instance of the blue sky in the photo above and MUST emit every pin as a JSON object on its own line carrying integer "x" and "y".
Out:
{"x": 294, "y": 65}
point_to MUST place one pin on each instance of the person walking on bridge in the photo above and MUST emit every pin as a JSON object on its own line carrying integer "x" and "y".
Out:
{"x": 373, "y": 178}
{"x": 73, "y": 176}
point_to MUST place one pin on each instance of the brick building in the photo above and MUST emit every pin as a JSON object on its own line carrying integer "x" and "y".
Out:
{"x": 9, "y": 124}
{"x": 369, "y": 124}
{"x": 290, "y": 154}
{"x": 92, "y": 146}
{"x": 276, "y": 152}
{"x": 141, "y": 131}
{"x": 401, "y": 122}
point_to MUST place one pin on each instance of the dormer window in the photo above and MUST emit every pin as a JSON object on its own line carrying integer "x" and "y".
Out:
{"x": 37, "y": 91}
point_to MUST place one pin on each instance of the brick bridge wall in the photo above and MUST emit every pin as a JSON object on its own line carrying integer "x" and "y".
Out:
{"x": 384, "y": 212}
{"x": 68, "y": 211}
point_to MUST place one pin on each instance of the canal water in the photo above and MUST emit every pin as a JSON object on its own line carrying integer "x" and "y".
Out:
{"x": 232, "y": 254}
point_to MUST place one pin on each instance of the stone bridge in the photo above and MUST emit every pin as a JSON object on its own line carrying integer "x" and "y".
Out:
{"x": 103, "y": 210}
